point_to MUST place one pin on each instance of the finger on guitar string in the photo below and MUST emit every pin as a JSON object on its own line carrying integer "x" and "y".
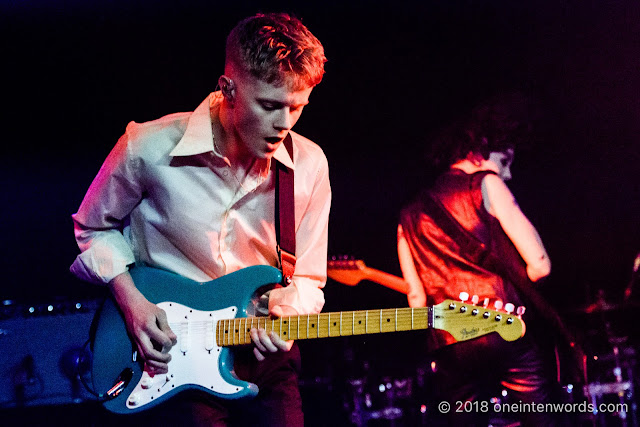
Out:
{"x": 262, "y": 340}
{"x": 279, "y": 342}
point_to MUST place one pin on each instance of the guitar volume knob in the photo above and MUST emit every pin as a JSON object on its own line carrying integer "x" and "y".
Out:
{"x": 134, "y": 399}
{"x": 147, "y": 382}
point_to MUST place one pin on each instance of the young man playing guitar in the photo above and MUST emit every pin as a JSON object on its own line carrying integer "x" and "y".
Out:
{"x": 193, "y": 193}
{"x": 442, "y": 241}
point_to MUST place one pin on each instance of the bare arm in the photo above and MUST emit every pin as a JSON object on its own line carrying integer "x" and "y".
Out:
{"x": 416, "y": 296}
{"x": 146, "y": 322}
{"x": 499, "y": 202}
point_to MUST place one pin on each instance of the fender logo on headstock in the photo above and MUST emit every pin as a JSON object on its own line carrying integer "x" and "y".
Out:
{"x": 469, "y": 333}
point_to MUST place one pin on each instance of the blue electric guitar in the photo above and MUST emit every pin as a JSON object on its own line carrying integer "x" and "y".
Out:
{"x": 211, "y": 317}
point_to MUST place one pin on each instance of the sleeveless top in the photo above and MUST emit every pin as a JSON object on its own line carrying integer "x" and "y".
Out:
{"x": 443, "y": 269}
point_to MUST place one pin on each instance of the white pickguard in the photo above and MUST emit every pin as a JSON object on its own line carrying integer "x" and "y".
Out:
{"x": 194, "y": 359}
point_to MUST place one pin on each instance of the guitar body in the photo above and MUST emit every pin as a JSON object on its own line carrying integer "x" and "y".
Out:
{"x": 193, "y": 309}
{"x": 210, "y": 317}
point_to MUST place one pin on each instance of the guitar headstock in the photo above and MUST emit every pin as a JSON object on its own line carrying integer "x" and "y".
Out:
{"x": 346, "y": 271}
{"x": 467, "y": 321}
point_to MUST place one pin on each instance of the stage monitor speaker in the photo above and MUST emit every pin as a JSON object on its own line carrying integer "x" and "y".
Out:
{"x": 43, "y": 353}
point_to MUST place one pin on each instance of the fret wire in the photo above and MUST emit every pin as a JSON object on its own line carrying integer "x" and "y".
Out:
{"x": 380, "y": 320}
{"x": 396, "y": 319}
{"x": 366, "y": 321}
{"x": 226, "y": 335}
{"x": 318, "y": 325}
{"x": 340, "y": 329}
{"x": 411, "y": 318}
{"x": 329, "y": 325}
{"x": 353, "y": 323}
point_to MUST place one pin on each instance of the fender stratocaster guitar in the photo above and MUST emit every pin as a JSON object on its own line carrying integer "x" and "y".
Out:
{"x": 210, "y": 317}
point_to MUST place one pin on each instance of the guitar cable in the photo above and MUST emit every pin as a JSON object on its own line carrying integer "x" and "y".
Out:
{"x": 82, "y": 378}
{"x": 120, "y": 384}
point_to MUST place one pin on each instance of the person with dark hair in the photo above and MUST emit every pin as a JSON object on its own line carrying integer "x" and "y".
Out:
{"x": 474, "y": 200}
{"x": 194, "y": 193}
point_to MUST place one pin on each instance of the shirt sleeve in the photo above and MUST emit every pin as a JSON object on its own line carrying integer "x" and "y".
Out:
{"x": 305, "y": 294}
{"x": 100, "y": 220}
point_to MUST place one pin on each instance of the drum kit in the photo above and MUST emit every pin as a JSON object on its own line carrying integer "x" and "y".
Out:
{"x": 612, "y": 360}
{"x": 610, "y": 384}
{"x": 375, "y": 398}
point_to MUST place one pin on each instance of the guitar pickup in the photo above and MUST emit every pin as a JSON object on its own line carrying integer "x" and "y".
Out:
{"x": 209, "y": 337}
{"x": 185, "y": 341}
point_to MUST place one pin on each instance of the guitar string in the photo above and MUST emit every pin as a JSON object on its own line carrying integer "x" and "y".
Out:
{"x": 396, "y": 320}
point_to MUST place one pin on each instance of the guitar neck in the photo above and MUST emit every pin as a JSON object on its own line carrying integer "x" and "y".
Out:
{"x": 385, "y": 279}
{"x": 323, "y": 325}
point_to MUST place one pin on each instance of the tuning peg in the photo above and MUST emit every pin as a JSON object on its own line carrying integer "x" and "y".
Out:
{"x": 475, "y": 299}
{"x": 508, "y": 307}
{"x": 498, "y": 305}
{"x": 485, "y": 303}
{"x": 463, "y": 296}
{"x": 520, "y": 310}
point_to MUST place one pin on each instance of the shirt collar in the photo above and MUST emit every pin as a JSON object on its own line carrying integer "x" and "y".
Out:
{"x": 198, "y": 137}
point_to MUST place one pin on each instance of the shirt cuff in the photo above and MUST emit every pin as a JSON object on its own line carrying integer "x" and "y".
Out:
{"x": 103, "y": 261}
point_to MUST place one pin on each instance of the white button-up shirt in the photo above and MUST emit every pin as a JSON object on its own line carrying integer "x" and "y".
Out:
{"x": 166, "y": 198}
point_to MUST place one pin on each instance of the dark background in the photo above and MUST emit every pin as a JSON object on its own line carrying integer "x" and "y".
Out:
{"x": 76, "y": 72}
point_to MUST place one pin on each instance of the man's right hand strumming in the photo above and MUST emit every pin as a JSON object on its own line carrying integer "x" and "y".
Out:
{"x": 146, "y": 322}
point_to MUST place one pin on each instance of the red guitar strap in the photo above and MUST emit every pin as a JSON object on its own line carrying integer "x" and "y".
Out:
{"x": 285, "y": 216}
